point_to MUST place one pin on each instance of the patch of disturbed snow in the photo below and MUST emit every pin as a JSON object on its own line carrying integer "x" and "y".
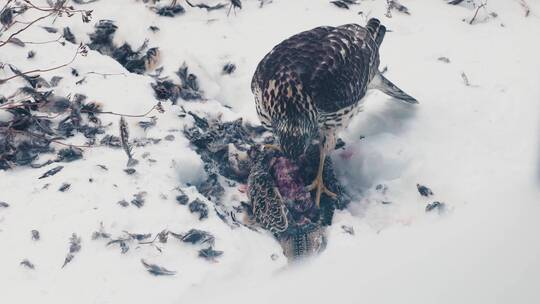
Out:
{"x": 475, "y": 147}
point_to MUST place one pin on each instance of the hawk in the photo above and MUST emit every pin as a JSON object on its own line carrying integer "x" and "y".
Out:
{"x": 309, "y": 87}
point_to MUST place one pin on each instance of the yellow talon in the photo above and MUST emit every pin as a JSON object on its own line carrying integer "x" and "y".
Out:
{"x": 318, "y": 183}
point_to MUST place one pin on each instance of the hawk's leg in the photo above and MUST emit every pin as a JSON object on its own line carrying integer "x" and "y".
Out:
{"x": 318, "y": 183}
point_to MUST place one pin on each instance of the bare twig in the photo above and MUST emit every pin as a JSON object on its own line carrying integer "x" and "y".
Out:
{"x": 44, "y": 42}
{"x": 52, "y": 140}
{"x": 80, "y": 50}
{"x": 105, "y": 74}
{"x": 57, "y": 10}
{"x": 2, "y": 43}
{"x": 476, "y": 12}
{"x": 157, "y": 107}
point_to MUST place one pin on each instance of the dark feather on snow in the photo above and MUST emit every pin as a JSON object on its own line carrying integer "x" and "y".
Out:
{"x": 206, "y": 6}
{"x": 111, "y": 140}
{"x": 195, "y": 236}
{"x": 138, "y": 200}
{"x": 209, "y": 253}
{"x": 74, "y": 247}
{"x": 340, "y": 4}
{"x": 68, "y": 35}
{"x": 101, "y": 234}
{"x": 157, "y": 270}
{"x": 51, "y": 172}
{"x": 69, "y": 154}
{"x": 130, "y": 171}
{"x": 423, "y": 190}
{"x": 27, "y": 264}
{"x": 64, "y": 187}
{"x": 133, "y": 60}
{"x": 6, "y": 18}
{"x": 229, "y": 68}
{"x": 124, "y": 140}
{"x": 182, "y": 199}
{"x": 170, "y": 11}
{"x": 35, "y": 235}
{"x": 435, "y": 205}
{"x": 197, "y": 206}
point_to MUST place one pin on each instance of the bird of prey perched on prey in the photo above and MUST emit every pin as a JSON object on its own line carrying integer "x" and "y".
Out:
{"x": 310, "y": 85}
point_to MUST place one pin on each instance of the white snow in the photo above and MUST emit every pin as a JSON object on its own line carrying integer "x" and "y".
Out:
{"x": 477, "y": 147}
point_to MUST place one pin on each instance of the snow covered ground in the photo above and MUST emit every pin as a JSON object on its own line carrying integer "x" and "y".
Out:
{"x": 477, "y": 147}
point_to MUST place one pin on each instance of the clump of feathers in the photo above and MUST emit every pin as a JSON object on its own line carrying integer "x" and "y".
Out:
{"x": 32, "y": 130}
{"x": 136, "y": 61}
{"x": 74, "y": 247}
{"x": 188, "y": 89}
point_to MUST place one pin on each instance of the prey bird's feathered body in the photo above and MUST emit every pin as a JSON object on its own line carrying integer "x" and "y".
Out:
{"x": 311, "y": 85}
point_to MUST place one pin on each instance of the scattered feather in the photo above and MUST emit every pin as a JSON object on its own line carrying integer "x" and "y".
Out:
{"x": 424, "y": 191}
{"x": 35, "y": 235}
{"x": 209, "y": 253}
{"x": 124, "y": 140}
{"x": 465, "y": 79}
{"x": 229, "y": 68}
{"x": 435, "y": 205}
{"x": 206, "y": 6}
{"x": 348, "y": 229}
{"x": 182, "y": 199}
{"x": 148, "y": 124}
{"x": 74, "y": 247}
{"x": 444, "y": 59}
{"x": 64, "y": 187}
{"x": 394, "y": 4}
{"x": 157, "y": 270}
{"x": 138, "y": 200}
{"x": 100, "y": 234}
{"x": 197, "y": 206}
{"x": 195, "y": 236}
{"x": 124, "y": 247}
{"x": 170, "y": 11}
{"x": 51, "y": 172}
{"x": 130, "y": 171}
{"x": 340, "y": 4}
{"x": 139, "y": 236}
{"x": 27, "y": 264}
{"x": 55, "y": 81}
{"x": 6, "y": 17}
{"x": 68, "y": 35}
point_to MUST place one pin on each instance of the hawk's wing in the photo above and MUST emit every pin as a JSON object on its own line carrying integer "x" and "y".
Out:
{"x": 333, "y": 64}
{"x": 350, "y": 60}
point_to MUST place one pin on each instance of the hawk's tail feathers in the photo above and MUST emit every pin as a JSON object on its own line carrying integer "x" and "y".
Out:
{"x": 376, "y": 29}
{"x": 380, "y": 82}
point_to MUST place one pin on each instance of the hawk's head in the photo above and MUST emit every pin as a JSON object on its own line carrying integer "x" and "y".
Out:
{"x": 295, "y": 136}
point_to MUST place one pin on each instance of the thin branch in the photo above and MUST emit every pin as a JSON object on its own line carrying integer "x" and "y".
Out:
{"x": 476, "y": 12}
{"x": 48, "y": 139}
{"x": 24, "y": 28}
{"x": 62, "y": 9}
{"x": 80, "y": 50}
{"x": 44, "y": 42}
{"x": 106, "y": 74}
{"x": 155, "y": 107}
